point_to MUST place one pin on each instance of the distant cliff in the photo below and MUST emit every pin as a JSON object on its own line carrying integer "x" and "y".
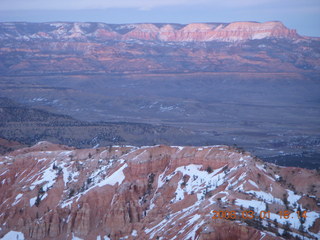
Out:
{"x": 72, "y": 48}
{"x": 194, "y": 32}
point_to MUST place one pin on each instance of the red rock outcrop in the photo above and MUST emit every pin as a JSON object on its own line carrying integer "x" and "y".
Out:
{"x": 50, "y": 191}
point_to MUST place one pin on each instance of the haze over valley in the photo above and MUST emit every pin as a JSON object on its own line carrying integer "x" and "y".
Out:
{"x": 250, "y": 84}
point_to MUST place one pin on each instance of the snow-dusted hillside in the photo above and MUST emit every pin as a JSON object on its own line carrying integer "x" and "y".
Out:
{"x": 122, "y": 192}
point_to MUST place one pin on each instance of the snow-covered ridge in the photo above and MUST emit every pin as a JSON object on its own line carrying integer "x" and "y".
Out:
{"x": 150, "y": 192}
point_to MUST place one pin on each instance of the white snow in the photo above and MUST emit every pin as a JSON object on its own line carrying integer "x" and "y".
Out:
{"x": 294, "y": 219}
{"x": 253, "y": 184}
{"x": 98, "y": 181}
{"x": 17, "y": 199}
{"x": 65, "y": 153}
{"x": 134, "y": 233}
{"x": 240, "y": 187}
{"x": 104, "y": 238}
{"x": 192, "y": 233}
{"x": 311, "y": 217}
{"x": 48, "y": 177}
{"x": 269, "y": 177}
{"x": 267, "y": 197}
{"x": 44, "y": 196}
{"x": 138, "y": 159}
{"x": 292, "y": 198}
{"x": 68, "y": 173}
{"x": 257, "y": 205}
{"x": 41, "y": 160}
{"x": 161, "y": 181}
{"x": 96, "y": 176}
{"x": 4, "y": 172}
{"x": 261, "y": 35}
{"x": 199, "y": 181}
{"x": 40, "y": 143}
{"x": 13, "y": 235}
{"x": 75, "y": 238}
{"x": 260, "y": 167}
{"x": 179, "y": 147}
{"x": 157, "y": 227}
{"x": 32, "y": 201}
{"x": 190, "y": 222}
{"x": 280, "y": 231}
{"x": 117, "y": 177}
{"x": 174, "y": 217}
{"x": 166, "y": 109}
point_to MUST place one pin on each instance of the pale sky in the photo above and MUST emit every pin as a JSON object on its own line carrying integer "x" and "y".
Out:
{"x": 303, "y": 15}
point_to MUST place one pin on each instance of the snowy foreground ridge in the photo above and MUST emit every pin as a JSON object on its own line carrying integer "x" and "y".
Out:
{"x": 50, "y": 191}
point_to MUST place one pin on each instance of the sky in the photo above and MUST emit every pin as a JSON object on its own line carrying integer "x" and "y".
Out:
{"x": 302, "y": 15}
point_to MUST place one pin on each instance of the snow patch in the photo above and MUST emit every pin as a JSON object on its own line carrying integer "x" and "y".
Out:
{"x": 17, "y": 199}
{"x": 292, "y": 198}
{"x": 4, "y": 172}
{"x": 13, "y": 235}
{"x": 117, "y": 177}
{"x": 257, "y": 205}
{"x": 260, "y": 167}
{"x": 253, "y": 184}
{"x": 75, "y": 238}
{"x": 137, "y": 158}
{"x": 200, "y": 181}
{"x": 32, "y": 201}
{"x": 267, "y": 197}
{"x": 48, "y": 176}
{"x": 192, "y": 232}
{"x": 261, "y": 35}
{"x": 134, "y": 233}
{"x": 179, "y": 147}
{"x": 68, "y": 174}
{"x": 262, "y": 235}
{"x": 104, "y": 238}
{"x": 65, "y": 153}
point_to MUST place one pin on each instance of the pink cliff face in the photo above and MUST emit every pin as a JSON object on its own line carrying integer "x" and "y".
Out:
{"x": 155, "y": 48}
{"x": 205, "y": 32}
{"x": 51, "y": 191}
{"x": 193, "y": 32}
{"x": 201, "y": 32}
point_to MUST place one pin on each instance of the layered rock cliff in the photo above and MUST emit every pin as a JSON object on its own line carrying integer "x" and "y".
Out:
{"x": 56, "y": 192}
{"x": 194, "y": 32}
{"x": 73, "y": 48}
